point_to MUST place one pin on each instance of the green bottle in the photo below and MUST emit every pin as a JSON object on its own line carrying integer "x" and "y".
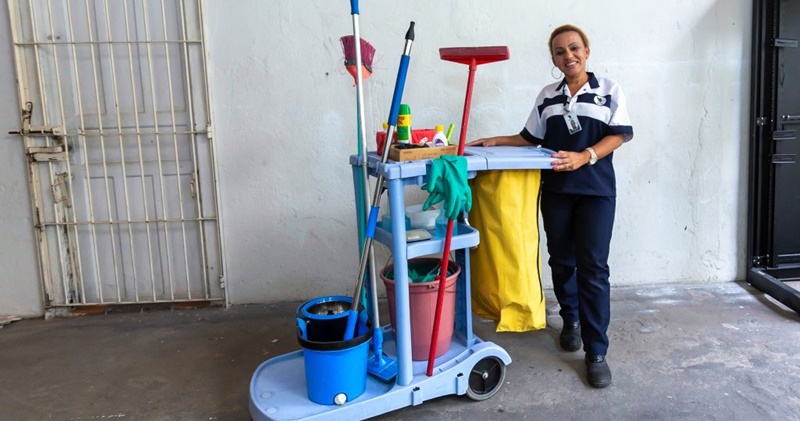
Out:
{"x": 404, "y": 124}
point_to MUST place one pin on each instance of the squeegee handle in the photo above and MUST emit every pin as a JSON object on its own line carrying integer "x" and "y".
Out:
{"x": 440, "y": 298}
{"x": 473, "y": 66}
{"x": 462, "y": 138}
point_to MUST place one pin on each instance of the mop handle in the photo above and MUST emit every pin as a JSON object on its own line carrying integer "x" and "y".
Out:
{"x": 399, "y": 85}
{"x": 394, "y": 111}
{"x": 373, "y": 214}
{"x": 449, "y": 234}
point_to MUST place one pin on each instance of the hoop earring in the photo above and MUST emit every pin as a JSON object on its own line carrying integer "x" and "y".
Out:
{"x": 554, "y": 75}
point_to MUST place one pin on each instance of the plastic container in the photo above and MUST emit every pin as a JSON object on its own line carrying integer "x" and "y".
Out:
{"x": 422, "y": 136}
{"x": 404, "y": 124}
{"x": 441, "y": 226}
{"x": 422, "y": 304}
{"x": 335, "y": 369}
{"x": 324, "y": 318}
{"x": 380, "y": 138}
{"x": 420, "y": 219}
{"x": 418, "y": 136}
{"x": 336, "y": 372}
{"x": 439, "y": 138}
{"x": 386, "y": 221}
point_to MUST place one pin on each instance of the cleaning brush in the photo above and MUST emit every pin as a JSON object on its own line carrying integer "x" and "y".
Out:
{"x": 367, "y": 54}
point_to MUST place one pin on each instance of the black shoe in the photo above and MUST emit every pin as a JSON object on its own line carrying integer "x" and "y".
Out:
{"x": 597, "y": 371}
{"x": 570, "y": 338}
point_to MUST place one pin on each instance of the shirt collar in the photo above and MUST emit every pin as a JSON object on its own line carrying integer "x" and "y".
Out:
{"x": 592, "y": 82}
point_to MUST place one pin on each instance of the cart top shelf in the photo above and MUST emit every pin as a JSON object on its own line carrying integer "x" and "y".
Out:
{"x": 479, "y": 158}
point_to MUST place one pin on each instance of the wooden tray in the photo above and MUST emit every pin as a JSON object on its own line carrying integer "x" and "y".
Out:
{"x": 415, "y": 154}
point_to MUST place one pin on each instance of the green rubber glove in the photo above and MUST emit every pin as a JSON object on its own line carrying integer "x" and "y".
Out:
{"x": 433, "y": 198}
{"x": 435, "y": 184}
{"x": 460, "y": 195}
{"x": 447, "y": 183}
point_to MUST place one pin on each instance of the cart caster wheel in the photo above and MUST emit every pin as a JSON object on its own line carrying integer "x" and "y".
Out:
{"x": 486, "y": 378}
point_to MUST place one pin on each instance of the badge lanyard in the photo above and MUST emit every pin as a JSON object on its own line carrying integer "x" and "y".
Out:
{"x": 570, "y": 118}
{"x": 567, "y": 99}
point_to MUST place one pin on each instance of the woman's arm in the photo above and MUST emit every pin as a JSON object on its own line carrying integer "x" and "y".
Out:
{"x": 513, "y": 140}
{"x": 571, "y": 161}
{"x": 605, "y": 146}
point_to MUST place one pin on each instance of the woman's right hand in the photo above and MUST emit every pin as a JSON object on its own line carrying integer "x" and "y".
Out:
{"x": 486, "y": 141}
{"x": 513, "y": 140}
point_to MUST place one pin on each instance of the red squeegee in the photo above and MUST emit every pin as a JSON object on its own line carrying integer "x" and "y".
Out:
{"x": 473, "y": 57}
{"x": 481, "y": 55}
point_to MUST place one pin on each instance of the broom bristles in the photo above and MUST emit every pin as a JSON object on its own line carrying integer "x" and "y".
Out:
{"x": 349, "y": 48}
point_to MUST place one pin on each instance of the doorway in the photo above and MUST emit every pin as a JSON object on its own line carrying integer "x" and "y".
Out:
{"x": 116, "y": 123}
{"x": 774, "y": 217}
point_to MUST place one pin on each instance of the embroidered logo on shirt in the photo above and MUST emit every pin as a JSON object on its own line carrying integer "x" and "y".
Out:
{"x": 600, "y": 100}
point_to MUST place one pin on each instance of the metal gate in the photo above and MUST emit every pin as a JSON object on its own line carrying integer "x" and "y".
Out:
{"x": 116, "y": 123}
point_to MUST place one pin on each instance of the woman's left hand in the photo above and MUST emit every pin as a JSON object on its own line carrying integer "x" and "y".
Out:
{"x": 568, "y": 161}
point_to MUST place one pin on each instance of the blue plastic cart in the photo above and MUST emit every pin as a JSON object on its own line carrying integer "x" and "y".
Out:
{"x": 470, "y": 366}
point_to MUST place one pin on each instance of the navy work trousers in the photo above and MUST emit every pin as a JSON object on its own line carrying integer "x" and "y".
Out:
{"x": 578, "y": 229}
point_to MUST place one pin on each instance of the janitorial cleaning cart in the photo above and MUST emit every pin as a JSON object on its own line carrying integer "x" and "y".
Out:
{"x": 278, "y": 390}
{"x": 350, "y": 365}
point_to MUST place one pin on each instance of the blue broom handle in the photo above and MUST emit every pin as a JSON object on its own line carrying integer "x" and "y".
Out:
{"x": 353, "y": 7}
{"x": 401, "y": 77}
{"x": 398, "y": 90}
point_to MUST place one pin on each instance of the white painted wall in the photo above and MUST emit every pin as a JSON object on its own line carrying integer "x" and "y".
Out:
{"x": 285, "y": 126}
{"x": 20, "y": 291}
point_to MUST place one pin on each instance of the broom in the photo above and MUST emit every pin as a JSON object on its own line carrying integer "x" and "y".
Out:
{"x": 350, "y": 59}
{"x": 364, "y": 55}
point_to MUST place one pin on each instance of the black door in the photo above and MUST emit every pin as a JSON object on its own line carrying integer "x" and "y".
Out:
{"x": 786, "y": 228}
{"x": 774, "y": 200}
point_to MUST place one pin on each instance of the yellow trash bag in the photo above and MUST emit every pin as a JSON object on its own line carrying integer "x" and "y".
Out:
{"x": 506, "y": 265}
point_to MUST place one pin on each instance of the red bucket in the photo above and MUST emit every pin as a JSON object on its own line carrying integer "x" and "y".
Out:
{"x": 422, "y": 303}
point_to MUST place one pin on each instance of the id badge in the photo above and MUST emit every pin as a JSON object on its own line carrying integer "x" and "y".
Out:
{"x": 573, "y": 124}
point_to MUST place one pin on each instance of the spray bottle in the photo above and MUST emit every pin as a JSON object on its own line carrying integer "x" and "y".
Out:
{"x": 404, "y": 124}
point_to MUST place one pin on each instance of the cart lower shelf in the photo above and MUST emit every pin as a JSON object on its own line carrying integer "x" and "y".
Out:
{"x": 278, "y": 386}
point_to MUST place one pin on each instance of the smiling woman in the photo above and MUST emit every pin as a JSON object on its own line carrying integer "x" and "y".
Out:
{"x": 584, "y": 118}
{"x": 569, "y": 48}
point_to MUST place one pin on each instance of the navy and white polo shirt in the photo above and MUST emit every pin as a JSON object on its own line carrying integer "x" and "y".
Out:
{"x": 601, "y": 109}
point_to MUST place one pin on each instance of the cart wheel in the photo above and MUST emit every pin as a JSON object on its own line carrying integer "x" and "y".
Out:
{"x": 486, "y": 378}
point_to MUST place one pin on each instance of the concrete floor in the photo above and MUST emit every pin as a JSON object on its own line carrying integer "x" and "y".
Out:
{"x": 710, "y": 352}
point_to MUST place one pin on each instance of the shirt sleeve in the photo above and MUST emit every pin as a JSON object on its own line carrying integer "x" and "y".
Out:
{"x": 535, "y": 127}
{"x": 620, "y": 122}
{"x": 529, "y": 137}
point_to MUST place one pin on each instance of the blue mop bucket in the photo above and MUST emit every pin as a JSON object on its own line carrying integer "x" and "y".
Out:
{"x": 325, "y": 318}
{"x": 336, "y": 370}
